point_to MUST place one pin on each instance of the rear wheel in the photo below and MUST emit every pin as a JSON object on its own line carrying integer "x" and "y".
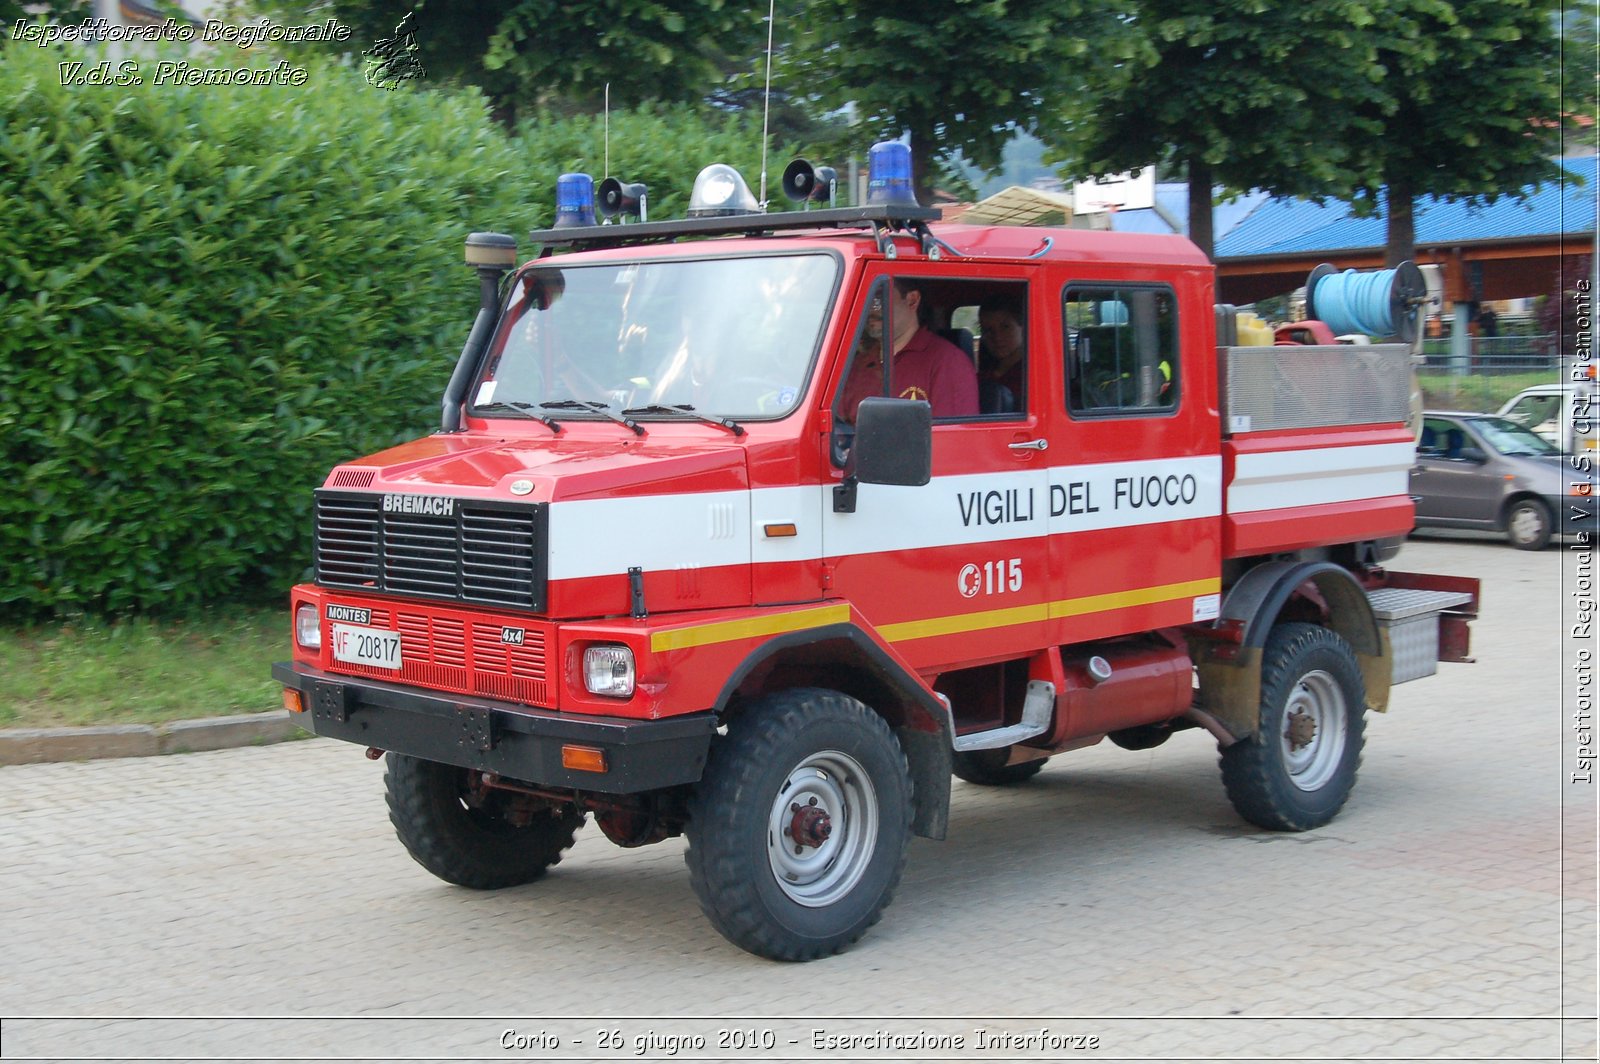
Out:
{"x": 1528, "y": 525}
{"x": 472, "y": 835}
{"x": 798, "y": 829}
{"x": 988, "y": 768}
{"x": 1298, "y": 770}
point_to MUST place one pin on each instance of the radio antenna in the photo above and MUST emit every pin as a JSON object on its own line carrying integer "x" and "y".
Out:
{"x": 766, "y": 104}
{"x": 608, "y": 128}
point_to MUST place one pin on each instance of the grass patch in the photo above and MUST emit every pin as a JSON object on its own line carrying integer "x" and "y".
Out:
{"x": 141, "y": 671}
{"x": 1442, "y": 391}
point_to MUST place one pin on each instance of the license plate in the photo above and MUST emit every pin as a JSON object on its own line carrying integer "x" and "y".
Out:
{"x": 366, "y": 646}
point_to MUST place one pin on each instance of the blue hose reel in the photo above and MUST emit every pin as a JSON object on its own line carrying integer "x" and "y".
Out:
{"x": 1380, "y": 303}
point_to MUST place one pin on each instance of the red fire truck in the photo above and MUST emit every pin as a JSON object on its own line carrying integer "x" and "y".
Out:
{"x": 655, "y": 567}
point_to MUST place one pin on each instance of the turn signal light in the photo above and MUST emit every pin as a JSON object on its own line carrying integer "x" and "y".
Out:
{"x": 292, "y": 702}
{"x": 583, "y": 758}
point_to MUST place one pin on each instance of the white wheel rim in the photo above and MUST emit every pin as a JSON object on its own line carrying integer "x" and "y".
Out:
{"x": 1314, "y": 730}
{"x": 1525, "y": 525}
{"x": 816, "y": 872}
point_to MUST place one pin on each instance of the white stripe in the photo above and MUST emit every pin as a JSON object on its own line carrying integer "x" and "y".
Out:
{"x": 1277, "y": 480}
{"x": 1009, "y": 505}
{"x": 599, "y": 537}
{"x": 799, "y": 506}
{"x": 983, "y": 508}
{"x": 1126, "y": 494}
{"x": 603, "y": 537}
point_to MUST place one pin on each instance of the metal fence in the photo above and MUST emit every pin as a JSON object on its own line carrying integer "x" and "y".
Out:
{"x": 1493, "y": 370}
{"x": 1494, "y": 355}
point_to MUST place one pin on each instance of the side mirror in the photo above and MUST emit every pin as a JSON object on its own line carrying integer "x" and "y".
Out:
{"x": 893, "y": 445}
{"x": 1474, "y": 455}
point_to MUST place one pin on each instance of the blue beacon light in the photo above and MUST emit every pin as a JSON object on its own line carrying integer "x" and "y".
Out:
{"x": 889, "y": 167}
{"x": 574, "y": 201}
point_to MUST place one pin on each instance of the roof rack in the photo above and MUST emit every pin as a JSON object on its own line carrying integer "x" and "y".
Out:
{"x": 880, "y": 217}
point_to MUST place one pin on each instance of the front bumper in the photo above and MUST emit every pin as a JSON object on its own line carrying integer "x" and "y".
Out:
{"x": 512, "y": 740}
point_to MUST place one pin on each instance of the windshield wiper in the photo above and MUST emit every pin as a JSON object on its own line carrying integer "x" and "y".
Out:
{"x": 685, "y": 410}
{"x": 523, "y": 410}
{"x": 603, "y": 409}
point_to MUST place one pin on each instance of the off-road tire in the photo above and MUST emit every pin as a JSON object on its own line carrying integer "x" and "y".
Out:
{"x": 1308, "y": 673}
{"x": 471, "y": 847}
{"x": 804, "y": 744}
{"x": 1529, "y": 525}
{"x": 988, "y": 768}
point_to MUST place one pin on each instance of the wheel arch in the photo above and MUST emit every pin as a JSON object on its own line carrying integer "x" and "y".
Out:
{"x": 1267, "y": 595}
{"x": 845, "y": 658}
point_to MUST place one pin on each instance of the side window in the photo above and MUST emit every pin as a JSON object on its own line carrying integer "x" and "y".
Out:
{"x": 1432, "y": 442}
{"x": 1001, "y": 317}
{"x": 960, "y": 346}
{"x": 1121, "y": 345}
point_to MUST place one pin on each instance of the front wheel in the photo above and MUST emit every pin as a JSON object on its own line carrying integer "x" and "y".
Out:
{"x": 798, "y": 829}
{"x": 472, "y": 835}
{"x": 1298, "y": 770}
{"x": 1528, "y": 525}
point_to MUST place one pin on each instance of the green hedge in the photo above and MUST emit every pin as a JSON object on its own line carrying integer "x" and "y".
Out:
{"x": 208, "y": 296}
{"x": 211, "y": 295}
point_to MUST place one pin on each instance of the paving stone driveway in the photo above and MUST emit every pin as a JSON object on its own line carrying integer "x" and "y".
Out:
{"x": 254, "y": 903}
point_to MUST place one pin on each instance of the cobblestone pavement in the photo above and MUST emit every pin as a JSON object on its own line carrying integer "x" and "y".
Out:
{"x": 254, "y": 903}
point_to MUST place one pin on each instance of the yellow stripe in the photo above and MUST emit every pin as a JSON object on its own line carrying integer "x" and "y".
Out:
{"x": 747, "y": 628}
{"x": 965, "y": 622}
{"x": 1076, "y": 607}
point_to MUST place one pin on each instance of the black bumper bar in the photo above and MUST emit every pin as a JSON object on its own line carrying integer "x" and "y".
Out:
{"x": 514, "y": 741}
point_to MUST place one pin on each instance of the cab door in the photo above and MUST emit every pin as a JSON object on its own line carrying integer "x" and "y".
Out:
{"x": 952, "y": 573}
{"x": 1136, "y": 493}
{"x": 1450, "y": 481}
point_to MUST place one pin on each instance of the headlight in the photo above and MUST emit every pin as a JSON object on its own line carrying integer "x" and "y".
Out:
{"x": 608, "y": 670}
{"x": 307, "y": 630}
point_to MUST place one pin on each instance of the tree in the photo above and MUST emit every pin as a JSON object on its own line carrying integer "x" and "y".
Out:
{"x": 536, "y": 56}
{"x": 68, "y": 12}
{"x": 1473, "y": 108}
{"x": 1243, "y": 93}
{"x": 957, "y": 75}
{"x": 1581, "y": 67}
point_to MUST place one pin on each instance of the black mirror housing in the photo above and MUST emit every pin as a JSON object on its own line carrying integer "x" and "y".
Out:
{"x": 894, "y": 442}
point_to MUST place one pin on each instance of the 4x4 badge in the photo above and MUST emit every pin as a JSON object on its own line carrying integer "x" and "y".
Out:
{"x": 514, "y": 636}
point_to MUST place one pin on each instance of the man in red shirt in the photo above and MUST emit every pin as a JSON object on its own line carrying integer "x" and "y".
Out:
{"x": 925, "y": 366}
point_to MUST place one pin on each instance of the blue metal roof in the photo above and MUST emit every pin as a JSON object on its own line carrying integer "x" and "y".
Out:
{"x": 1172, "y": 202}
{"x": 1283, "y": 226}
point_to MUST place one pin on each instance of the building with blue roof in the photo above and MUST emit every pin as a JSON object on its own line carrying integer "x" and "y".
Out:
{"x": 1510, "y": 249}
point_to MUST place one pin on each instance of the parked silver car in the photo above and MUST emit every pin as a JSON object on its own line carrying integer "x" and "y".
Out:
{"x": 1483, "y": 471}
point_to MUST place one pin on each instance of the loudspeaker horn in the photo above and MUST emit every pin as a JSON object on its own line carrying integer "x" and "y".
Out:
{"x": 803, "y": 182}
{"x": 614, "y": 198}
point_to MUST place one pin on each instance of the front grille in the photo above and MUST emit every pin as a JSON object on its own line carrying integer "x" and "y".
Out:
{"x": 454, "y": 652}
{"x": 483, "y": 552}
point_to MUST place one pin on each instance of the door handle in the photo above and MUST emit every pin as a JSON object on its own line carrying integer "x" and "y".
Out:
{"x": 1030, "y": 445}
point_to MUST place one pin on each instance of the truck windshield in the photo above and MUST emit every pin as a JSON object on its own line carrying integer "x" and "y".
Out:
{"x": 733, "y": 337}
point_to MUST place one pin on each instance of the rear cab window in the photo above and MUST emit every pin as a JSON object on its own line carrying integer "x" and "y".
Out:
{"x": 1121, "y": 348}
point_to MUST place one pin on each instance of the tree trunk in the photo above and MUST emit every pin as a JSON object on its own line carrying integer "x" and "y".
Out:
{"x": 1200, "y": 223}
{"x": 922, "y": 165}
{"x": 1401, "y": 241}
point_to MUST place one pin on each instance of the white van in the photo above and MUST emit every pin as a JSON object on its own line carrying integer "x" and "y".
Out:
{"x": 1564, "y": 413}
